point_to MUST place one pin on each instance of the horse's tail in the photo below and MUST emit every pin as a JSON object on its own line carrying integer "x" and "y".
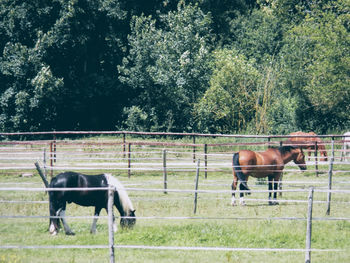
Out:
{"x": 238, "y": 171}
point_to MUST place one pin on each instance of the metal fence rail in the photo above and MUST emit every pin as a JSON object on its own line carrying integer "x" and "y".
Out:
{"x": 111, "y": 246}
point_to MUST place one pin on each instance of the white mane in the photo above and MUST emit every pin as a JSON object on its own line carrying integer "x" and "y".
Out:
{"x": 123, "y": 196}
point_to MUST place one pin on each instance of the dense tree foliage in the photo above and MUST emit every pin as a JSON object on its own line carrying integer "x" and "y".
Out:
{"x": 168, "y": 67}
{"x": 174, "y": 65}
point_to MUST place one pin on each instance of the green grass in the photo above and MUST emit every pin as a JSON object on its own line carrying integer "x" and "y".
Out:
{"x": 233, "y": 231}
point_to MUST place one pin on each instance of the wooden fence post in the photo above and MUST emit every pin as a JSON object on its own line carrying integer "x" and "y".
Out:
{"x": 110, "y": 224}
{"x": 44, "y": 162}
{"x": 309, "y": 227}
{"x": 194, "y": 148}
{"x": 196, "y": 187}
{"x": 129, "y": 160}
{"x": 51, "y": 158}
{"x": 54, "y": 149}
{"x": 165, "y": 177}
{"x": 316, "y": 160}
{"x": 124, "y": 145}
{"x": 205, "y": 161}
{"x": 330, "y": 174}
{"x": 43, "y": 177}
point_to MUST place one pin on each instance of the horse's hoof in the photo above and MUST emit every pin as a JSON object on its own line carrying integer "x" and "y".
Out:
{"x": 54, "y": 233}
{"x": 70, "y": 233}
{"x": 241, "y": 201}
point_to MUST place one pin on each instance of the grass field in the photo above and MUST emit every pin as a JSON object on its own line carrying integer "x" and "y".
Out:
{"x": 216, "y": 223}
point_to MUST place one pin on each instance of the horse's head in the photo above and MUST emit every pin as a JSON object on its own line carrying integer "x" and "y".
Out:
{"x": 129, "y": 220}
{"x": 299, "y": 158}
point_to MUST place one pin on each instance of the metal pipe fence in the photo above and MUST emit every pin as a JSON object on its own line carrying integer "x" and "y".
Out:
{"x": 112, "y": 246}
{"x": 164, "y": 157}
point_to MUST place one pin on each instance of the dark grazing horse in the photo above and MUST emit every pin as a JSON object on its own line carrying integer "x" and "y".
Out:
{"x": 309, "y": 143}
{"x": 96, "y": 198}
{"x": 263, "y": 164}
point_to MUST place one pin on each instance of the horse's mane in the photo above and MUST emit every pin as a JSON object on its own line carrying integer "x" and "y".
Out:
{"x": 284, "y": 149}
{"x": 123, "y": 196}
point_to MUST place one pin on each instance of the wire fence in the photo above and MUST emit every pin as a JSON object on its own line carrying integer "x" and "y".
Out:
{"x": 127, "y": 155}
{"x": 308, "y": 218}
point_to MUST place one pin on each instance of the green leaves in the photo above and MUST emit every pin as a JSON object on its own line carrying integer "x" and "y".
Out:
{"x": 316, "y": 57}
{"x": 229, "y": 103}
{"x": 279, "y": 65}
{"x": 168, "y": 66}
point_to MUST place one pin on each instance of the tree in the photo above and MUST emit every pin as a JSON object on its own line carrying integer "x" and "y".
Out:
{"x": 229, "y": 105}
{"x": 167, "y": 66}
{"x": 68, "y": 50}
{"x": 316, "y": 63}
{"x": 258, "y": 35}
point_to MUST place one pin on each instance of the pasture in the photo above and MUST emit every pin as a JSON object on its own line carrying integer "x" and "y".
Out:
{"x": 167, "y": 230}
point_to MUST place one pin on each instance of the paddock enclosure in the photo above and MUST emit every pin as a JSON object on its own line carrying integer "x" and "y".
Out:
{"x": 180, "y": 187}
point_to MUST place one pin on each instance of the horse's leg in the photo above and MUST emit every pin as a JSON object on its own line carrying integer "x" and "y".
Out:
{"x": 54, "y": 225}
{"x": 275, "y": 188}
{"x": 62, "y": 214}
{"x": 94, "y": 221}
{"x": 241, "y": 194}
{"x": 270, "y": 178}
{"x": 309, "y": 153}
{"x": 234, "y": 187}
{"x": 280, "y": 184}
{"x": 56, "y": 205}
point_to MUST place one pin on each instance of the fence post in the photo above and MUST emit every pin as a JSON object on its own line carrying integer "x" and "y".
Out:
{"x": 54, "y": 149}
{"x": 316, "y": 159}
{"x": 194, "y": 148}
{"x": 196, "y": 187}
{"x": 330, "y": 174}
{"x": 44, "y": 161}
{"x": 129, "y": 160}
{"x": 51, "y": 158}
{"x": 309, "y": 227}
{"x": 205, "y": 161}
{"x": 43, "y": 177}
{"x": 124, "y": 145}
{"x": 110, "y": 224}
{"x": 164, "y": 172}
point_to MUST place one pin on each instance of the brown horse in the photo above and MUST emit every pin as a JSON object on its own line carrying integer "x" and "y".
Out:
{"x": 264, "y": 164}
{"x": 309, "y": 143}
